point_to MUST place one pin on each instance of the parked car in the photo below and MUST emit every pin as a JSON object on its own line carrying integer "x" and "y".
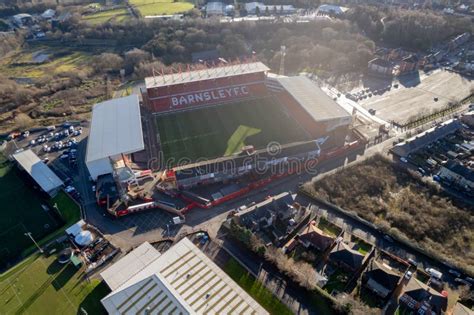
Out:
{"x": 408, "y": 275}
{"x": 404, "y": 160}
{"x": 412, "y": 262}
{"x": 388, "y": 238}
{"x": 455, "y": 273}
{"x": 469, "y": 279}
{"x": 69, "y": 189}
{"x": 434, "y": 273}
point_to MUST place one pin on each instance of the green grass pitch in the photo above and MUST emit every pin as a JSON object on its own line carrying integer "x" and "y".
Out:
{"x": 222, "y": 130}
{"x": 21, "y": 212}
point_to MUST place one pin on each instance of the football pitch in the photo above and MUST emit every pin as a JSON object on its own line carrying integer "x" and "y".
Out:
{"x": 217, "y": 131}
{"x": 21, "y": 212}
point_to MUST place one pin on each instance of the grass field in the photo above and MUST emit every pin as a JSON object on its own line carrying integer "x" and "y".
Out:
{"x": 217, "y": 131}
{"x": 61, "y": 60}
{"x": 43, "y": 286}
{"x": 21, "y": 212}
{"x": 118, "y": 15}
{"x": 255, "y": 289}
{"x": 160, "y": 7}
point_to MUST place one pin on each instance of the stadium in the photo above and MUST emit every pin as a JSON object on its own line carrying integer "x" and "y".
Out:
{"x": 210, "y": 126}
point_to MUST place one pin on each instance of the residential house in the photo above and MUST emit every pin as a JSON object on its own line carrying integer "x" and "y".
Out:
{"x": 459, "y": 40}
{"x": 48, "y": 14}
{"x": 381, "y": 278}
{"x": 312, "y": 237}
{"x": 381, "y": 67}
{"x": 254, "y": 8}
{"x": 343, "y": 255}
{"x": 215, "y": 8}
{"x": 409, "y": 64}
{"x": 272, "y": 219}
{"x": 332, "y": 9}
{"x": 457, "y": 173}
{"x": 422, "y": 299}
{"x": 23, "y": 19}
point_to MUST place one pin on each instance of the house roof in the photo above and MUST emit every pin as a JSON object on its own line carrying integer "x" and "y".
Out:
{"x": 181, "y": 280}
{"x": 381, "y": 62}
{"x": 383, "y": 275}
{"x": 343, "y": 253}
{"x": 332, "y": 8}
{"x": 38, "y": 170}
{"x": 420, "y": 292}
{"x": 411, "y": 58}
{"x": 316, "y": 237}
{"x": 317, "y": 104}
{"x": 116, "y": 128}
{"x": 460, "y": 169}
{"x": 265, "y": 208}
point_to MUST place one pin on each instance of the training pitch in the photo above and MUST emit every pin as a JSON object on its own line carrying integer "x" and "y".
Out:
{"x": 22, "y": 212}
{"x": 223, "y": 130}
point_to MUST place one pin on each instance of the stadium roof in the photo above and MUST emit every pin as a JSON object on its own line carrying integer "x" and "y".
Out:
{"x": 204, "y": 74}
{"x": 318, "y": 104}
{"x": 40, "y": 172}
{"x": 181, "y": 280}
{"x": 116, "y": 128}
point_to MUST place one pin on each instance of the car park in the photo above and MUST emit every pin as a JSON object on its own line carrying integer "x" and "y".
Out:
{"x": 455, "y": 273}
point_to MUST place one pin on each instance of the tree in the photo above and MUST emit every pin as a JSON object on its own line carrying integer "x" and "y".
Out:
{"x": 257, "y": 11}
{"x": 133, "y": 58}
{"x": 107, "y": 62}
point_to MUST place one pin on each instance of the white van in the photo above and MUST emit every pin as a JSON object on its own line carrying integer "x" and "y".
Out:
{"x": 434, "y": 273}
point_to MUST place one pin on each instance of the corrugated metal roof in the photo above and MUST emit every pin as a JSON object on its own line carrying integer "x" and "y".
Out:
{"x": 116, "y": 128}
{"x": 184, "y": 279}
{"x": 318, "y": 104}
{"x": 204, "y": 74}
{"x": 40, "y": 172}
{"x": 128, "y": 266}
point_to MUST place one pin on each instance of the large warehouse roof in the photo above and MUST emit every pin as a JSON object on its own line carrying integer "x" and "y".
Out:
{"x": 40, "y": 172}
{"x": 317, "y": 103}
{"x": 116, "y": 128}
{"x": 181, "y": 280}
{"x": 204, "y": 74}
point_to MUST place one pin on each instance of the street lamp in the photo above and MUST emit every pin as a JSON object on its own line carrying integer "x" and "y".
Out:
{"x": 31, "y": 236}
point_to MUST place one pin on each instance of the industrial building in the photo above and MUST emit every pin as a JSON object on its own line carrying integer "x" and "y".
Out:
{"x": 46, "y": 179}
{"x": 116, "y": 131}
{"x": 182, "y": 280}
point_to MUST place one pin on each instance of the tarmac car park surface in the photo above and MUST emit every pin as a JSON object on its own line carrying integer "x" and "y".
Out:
{"x": 416, "y": 94}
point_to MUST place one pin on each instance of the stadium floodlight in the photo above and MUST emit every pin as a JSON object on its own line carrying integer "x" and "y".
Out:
{"x": 31, "y": 237}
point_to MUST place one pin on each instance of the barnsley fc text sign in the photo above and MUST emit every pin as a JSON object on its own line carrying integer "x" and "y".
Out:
{"x": 209, "y": 96}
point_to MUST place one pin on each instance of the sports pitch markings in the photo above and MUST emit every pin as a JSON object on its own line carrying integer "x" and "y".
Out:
{"x": 212, "y": 132}
{"x": 237, "y": 140}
